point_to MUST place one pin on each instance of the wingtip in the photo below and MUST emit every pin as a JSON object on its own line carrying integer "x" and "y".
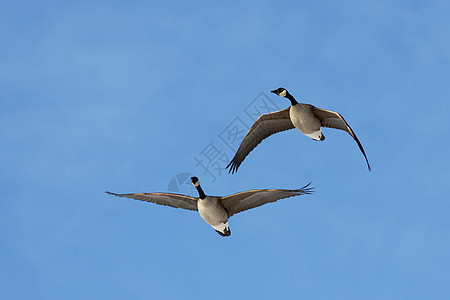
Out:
{"x": 110, "y": 193}
{"x": 307, "y": 189}
{"x": 232, "y": 167}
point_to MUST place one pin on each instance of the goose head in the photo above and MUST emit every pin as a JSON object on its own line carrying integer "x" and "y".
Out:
{"x": 280, "y": 92}
{"x": 285, "y": 94}
{"x": 195, "y": 181}
{"x": 200, "y": 191}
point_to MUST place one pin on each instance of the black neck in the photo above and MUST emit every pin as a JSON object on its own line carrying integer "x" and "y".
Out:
{"x": 200, "y": 192}
{"x": 290, "y": 97}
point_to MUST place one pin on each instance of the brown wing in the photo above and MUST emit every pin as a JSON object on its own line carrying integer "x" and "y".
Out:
{"x": 239, "y": 202}
{"x": 167, "y": 199}
{"x": 333, "y": 119}
{"x": 265, "y": 126}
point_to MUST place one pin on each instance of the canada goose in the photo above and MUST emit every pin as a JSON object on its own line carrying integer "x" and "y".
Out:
{"x": 305, "y": 117}
{"x": 217, "y": 210}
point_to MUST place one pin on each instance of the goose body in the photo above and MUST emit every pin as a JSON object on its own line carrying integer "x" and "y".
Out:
{"x": 214, "y": 214}
{"x": 217, "y": 210}
{"x": 304, "y": 120}
{"x": 307, "y": 118}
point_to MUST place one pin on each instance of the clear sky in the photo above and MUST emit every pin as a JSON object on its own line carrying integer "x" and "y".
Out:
{"x": 125, "y": 96}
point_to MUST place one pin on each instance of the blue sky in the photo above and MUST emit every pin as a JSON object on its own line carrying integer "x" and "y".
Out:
{"x": 108, "y": 95}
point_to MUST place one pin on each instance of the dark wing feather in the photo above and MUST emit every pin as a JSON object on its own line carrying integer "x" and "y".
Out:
{"x": 333, "y": 119}
{"x": 167, "y": 199}
{"x": 239, "y": 202}
{"x": 265, "y": 126}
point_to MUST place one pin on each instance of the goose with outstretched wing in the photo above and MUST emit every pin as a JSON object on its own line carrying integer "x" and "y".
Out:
{"x": 217, "y": 210}
{"x": 307, "y": 118}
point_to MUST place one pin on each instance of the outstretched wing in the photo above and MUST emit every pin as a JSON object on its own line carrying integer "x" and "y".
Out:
{"x": 167, "y": 199}
{"x": 265, "y": 126}
{"x": 333, "y": 119}
{"x": 239, "y": 202}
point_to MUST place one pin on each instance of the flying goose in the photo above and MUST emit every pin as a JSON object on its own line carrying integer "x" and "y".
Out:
{"x": 217, "y": 210}
{"x": 305, "y": 117}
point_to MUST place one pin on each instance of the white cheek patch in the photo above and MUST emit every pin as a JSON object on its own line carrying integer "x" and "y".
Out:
{"x": 197, "y": 183}
{"x": 283, "y": 93}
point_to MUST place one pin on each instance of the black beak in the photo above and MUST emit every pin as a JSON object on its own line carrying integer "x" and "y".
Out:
{"x": 274, "y": 91}
{"x": 194, "y": 179}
